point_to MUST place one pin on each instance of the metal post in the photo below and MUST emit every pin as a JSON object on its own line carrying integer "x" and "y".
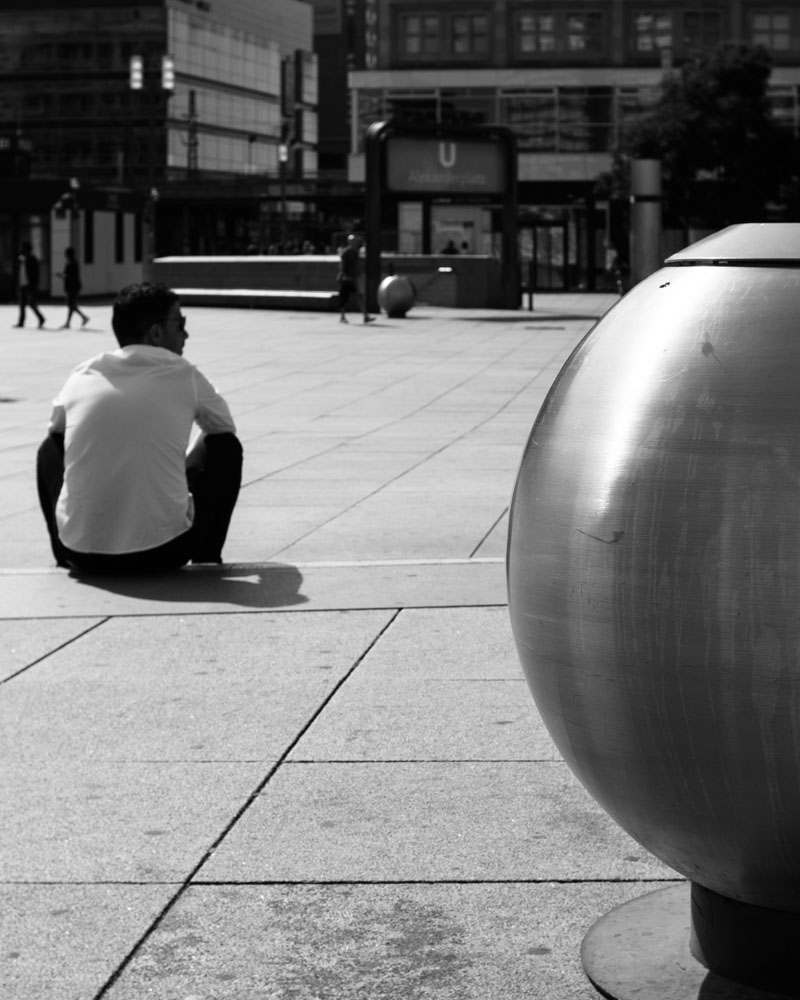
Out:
{"x": 283, "y": 156}
{"x": 645, "y": 218}
{"x": 191, "y": 138}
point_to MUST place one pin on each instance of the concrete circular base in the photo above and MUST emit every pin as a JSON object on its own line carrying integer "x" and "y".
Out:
{"x": 640, "y": 951}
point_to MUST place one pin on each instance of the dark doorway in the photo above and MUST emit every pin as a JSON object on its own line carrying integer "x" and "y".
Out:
{"x": 543, "y": 254}
{"x": 550, "y": 256}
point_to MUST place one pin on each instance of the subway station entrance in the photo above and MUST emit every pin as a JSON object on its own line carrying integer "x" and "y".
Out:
{"x": 441, "y": 191}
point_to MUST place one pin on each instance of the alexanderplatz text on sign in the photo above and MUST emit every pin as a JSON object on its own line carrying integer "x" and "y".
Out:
{"x": 469, "y": 165}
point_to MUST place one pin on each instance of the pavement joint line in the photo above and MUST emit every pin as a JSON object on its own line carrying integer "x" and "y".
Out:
{"x": 272, "y": 565}
{"x": 309, "y": 761}
{"x": 644, "y": 880}
{"x": 398, "y": 420}
{"x": 489, "y": 532}
{"x": 427, "y": 458}
{"x": 208, "y": 884}
{"x": 251, "y": 798}
{"x": 57, "y": 649}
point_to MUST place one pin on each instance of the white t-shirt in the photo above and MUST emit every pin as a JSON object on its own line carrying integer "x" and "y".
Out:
{"x": 127, "y": 417}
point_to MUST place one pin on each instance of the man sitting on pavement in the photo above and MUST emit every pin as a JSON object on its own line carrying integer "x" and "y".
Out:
{"x": 118, "y": 491}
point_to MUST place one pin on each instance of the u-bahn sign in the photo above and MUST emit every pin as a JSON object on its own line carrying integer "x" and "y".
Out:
{"x": 445, "y": 166}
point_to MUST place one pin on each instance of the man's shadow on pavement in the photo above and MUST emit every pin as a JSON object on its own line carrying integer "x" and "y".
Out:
{"x": 248, "y": 585}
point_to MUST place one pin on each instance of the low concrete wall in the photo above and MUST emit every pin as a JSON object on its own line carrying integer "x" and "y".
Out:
{"x": 440, "y": 280}
{"x": 465, "y": 281}
{"x": 299, "y": 272}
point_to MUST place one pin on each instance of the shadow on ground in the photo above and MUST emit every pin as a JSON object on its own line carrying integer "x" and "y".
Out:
{"x": 248, "y": 585}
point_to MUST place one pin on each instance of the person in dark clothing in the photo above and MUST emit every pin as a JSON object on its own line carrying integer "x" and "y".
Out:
{"x": 71, "y": 276}
{"x": 28, "y": 284}
{"x": 348, "y": 278}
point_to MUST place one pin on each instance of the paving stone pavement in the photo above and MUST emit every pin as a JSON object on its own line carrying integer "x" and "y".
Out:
{"x": 314, "y": 773}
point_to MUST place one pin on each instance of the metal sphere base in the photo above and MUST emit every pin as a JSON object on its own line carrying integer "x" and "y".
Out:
{"x": 641, "y": 951}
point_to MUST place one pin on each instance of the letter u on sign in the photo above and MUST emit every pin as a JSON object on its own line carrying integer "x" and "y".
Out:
{"x": 447, "y": 154}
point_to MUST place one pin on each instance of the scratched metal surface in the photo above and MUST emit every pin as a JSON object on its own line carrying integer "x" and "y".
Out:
{"x": 654, "y": 572}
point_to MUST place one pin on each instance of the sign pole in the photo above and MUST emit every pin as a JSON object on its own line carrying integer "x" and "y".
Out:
{"x": 372, "y": 222}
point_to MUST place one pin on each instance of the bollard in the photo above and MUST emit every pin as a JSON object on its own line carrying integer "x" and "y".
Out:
{"x": 396, "y": 295}
{"x": 654, "y": 594}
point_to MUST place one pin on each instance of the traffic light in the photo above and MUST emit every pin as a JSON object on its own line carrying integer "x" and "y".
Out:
{"x": 136, "y": 77}
{"x": 167, "y": 73}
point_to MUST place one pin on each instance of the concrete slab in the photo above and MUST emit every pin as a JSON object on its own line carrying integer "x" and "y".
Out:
{"x": 440, "y": 684}
{"x": 80, "y": 821}
{"x": 259, "y": 533}
{"x": 256, "y": 587}
{"x": 395, "y": 718}
{"x": 384, "y": 528}
{"x": 363, "y": 942}
{"x": 25, "y": 641}
{"x": 133, "y": 756}
{"x": 197, "y": 688}
{"x": 350, "y": 464}
{"x": 25, "y": 542}
{"x": 493, "y": 821}
{"x": 283, "y": 489}
{"x": 63, "y": 942}
{"x": 440, "y": 644}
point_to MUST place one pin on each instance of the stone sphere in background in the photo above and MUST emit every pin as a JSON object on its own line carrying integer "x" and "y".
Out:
{"x": 396, "y": 295}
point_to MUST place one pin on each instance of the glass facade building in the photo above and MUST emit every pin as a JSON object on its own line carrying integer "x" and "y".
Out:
{"x": 65, "y": 75}
{"x": 180, "y": 102}
{"x": 235, "y": 78}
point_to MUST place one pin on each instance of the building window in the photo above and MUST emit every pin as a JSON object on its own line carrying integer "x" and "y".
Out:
{"x": 652, "y": 31}
{"x": 535, "y": 32}
{"x": 585, "y": 32}
{"x": 563, "y": 32}
{"x": 771, "y": 28}
{"x": 561, "y": 119}
{"x": 786, "y": 107}
{"x": 419, "y": 35}
{"x": 413, "y": 109}
{"x": 462, "y": 34}
{"x": 702, "y": 29}
{"x": 469, "y": 34}
{"x": 467, "y": 107}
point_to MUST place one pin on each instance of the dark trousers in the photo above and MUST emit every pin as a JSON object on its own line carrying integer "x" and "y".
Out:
{"x": 27, "y": 297}
{"x": 214, "y": 475}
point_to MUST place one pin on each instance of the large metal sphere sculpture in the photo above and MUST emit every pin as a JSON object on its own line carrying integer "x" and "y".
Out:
{"x": 654, "y": 581}
{"x": 396, "y": 295}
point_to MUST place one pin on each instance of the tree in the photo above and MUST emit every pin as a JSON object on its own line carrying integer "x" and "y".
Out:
{"x": 724, "y": 158}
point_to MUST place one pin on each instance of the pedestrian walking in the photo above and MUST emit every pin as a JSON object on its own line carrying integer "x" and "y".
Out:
{"x": 348, "y": 278}
{"x": 28, "y": 284}
{"x": 71, "y": 276}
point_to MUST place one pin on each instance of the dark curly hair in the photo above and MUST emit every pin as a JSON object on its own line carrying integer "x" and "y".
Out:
{"x": 137, "y": 308}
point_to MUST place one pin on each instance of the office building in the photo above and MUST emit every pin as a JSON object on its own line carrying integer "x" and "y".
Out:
{"x": 194, "y": 115}
{"x": 565, "y": 76}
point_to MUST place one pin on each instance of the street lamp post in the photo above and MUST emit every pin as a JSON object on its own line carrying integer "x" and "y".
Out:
{"x": 136, "y": 81}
